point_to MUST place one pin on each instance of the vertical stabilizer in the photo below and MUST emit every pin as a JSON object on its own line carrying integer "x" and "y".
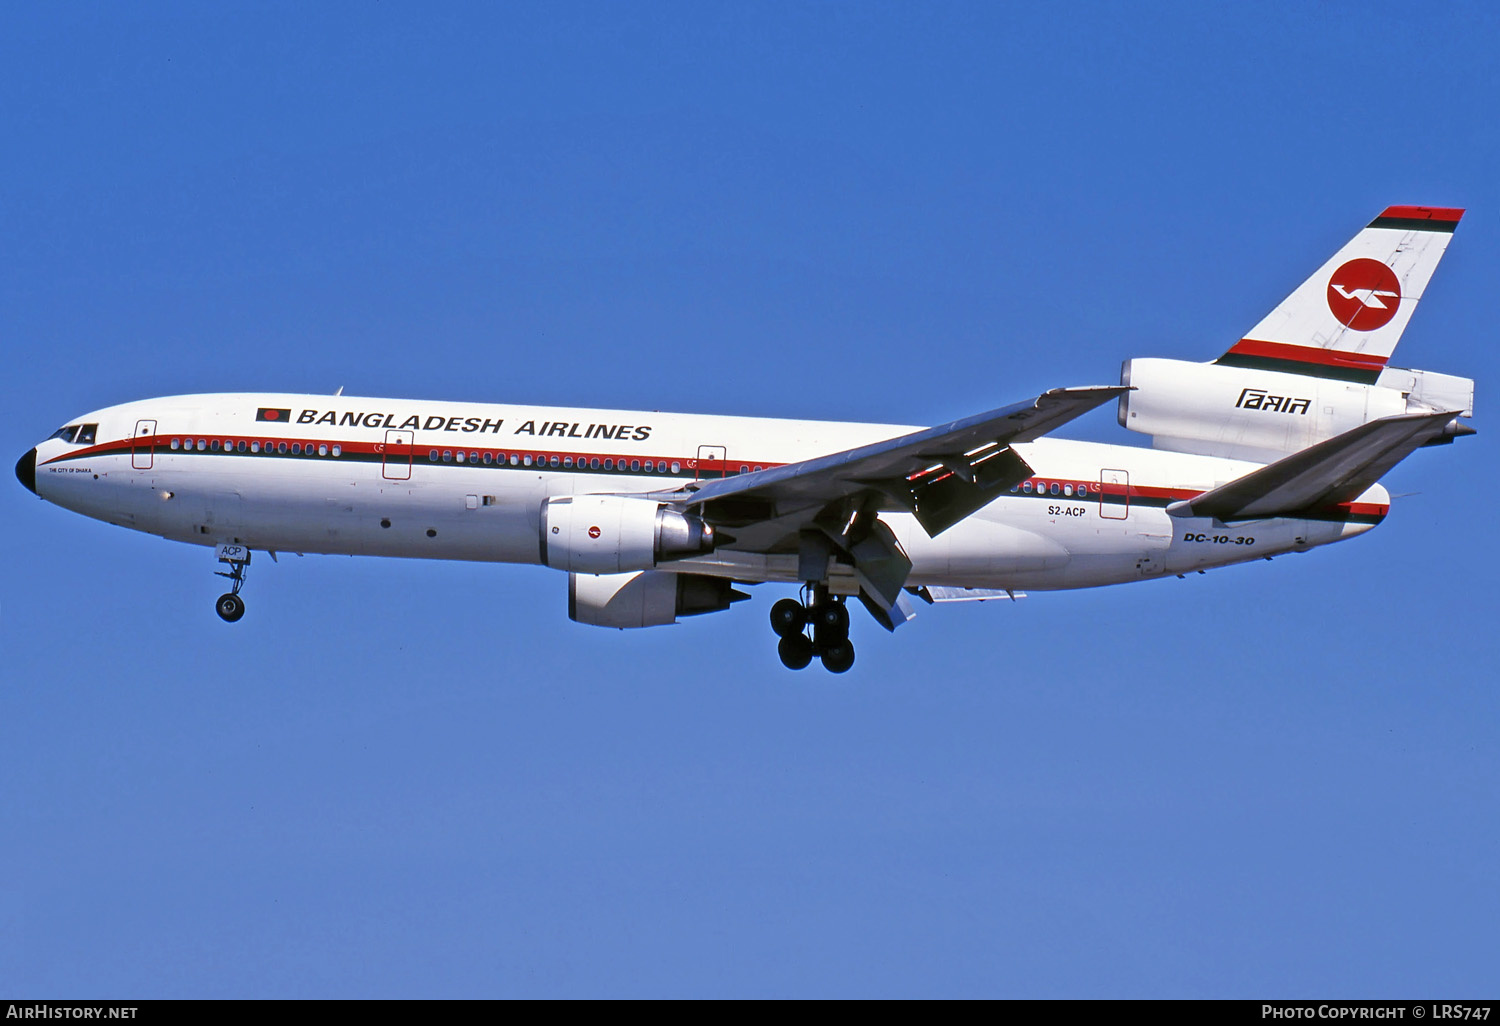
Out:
{"x": 1344, "y": 321}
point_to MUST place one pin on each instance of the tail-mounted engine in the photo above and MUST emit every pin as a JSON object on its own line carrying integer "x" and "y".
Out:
{"x": 610, "y": 534}
{"x": 1242, "y": 413}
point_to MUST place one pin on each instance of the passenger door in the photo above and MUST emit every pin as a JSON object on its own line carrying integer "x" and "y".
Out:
{"x": 142, "y": 445}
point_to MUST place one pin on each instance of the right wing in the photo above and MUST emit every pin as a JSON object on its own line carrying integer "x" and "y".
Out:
{"x": 830, "y": 506}
{"x": 940, "y": 474}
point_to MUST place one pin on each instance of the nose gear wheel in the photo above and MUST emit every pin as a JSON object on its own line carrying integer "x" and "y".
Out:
{"x": 230, "y": 606}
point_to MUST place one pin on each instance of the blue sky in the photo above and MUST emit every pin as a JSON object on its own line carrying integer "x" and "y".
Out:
{"x": 399, "y": 778}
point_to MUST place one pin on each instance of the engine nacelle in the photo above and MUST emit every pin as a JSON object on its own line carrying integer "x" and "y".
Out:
{"x": 647, "y": 598}
{"x": 608, "y": 534}
{"x": 1242, "y": 413}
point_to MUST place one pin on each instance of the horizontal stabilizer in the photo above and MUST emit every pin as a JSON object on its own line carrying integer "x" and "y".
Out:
{"x": 1334, "y": 471}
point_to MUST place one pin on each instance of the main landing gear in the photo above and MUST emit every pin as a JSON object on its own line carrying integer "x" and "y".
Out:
{"x": 230, "y": 606}
{"x": 829, "y": 619}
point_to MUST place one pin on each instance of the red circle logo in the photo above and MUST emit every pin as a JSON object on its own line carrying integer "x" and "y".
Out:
{"x": 1364, "y": 294}
{"x": 273, "y": 414}
{"x": 593, "y": 532}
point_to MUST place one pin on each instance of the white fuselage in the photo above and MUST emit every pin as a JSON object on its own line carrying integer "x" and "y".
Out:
{"x": 396, "y": 477}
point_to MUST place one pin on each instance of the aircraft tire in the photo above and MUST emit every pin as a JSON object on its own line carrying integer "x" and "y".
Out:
{"x": 788, "y": 617}
{"x": 795, "y": 651}
{"x": 230, "y": 607}
{"x": 831, "y": 620}
{"x": 839, "y": 657}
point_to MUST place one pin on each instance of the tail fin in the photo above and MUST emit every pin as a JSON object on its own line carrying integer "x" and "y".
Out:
{"x": 1344, "y": 321}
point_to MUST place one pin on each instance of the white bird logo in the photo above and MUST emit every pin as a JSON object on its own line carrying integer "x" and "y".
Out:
{"x": 1369, "y": 298}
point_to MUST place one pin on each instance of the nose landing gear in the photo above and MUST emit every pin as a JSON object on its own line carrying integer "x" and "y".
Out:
{"x": 230, "y": 606}
{"x": 829, "y": 619}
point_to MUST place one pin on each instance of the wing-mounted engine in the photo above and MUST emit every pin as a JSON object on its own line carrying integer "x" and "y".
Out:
{"x": 647, "y": 598}
{"x": 610, "y": 534}
{"x": 1243, "y": 413}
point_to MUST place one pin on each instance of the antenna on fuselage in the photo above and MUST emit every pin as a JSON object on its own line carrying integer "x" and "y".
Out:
{"x": 340, "y": 391}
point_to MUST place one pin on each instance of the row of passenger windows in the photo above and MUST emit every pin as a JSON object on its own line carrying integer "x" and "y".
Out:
{"x": 1051, "y": 488}
{"x": 516, "y": 459}
{"x": 434, "y": 456}
{"x": 230, "y": 445}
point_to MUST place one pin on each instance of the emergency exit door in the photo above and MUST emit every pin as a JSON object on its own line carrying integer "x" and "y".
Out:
{"x": 711, "y": 462}
{"x": 1114, "y": 494}
{"x": 395, "y": 455}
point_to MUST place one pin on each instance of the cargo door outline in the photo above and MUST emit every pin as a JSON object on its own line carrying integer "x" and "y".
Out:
{"x": 711, "y": 462}
{"x": 395, "y": 454}
{"x": 1114, "y": 494}
{"x": 142, "y": 456}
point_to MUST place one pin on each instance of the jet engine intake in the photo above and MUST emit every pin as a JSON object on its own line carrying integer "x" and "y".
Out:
{"x": 610, "y": 534}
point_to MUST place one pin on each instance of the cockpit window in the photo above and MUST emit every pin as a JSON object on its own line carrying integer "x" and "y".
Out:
{"x": 77, "y": 434}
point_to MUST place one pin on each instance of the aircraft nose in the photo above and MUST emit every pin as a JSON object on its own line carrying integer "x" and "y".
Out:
{"x": 26, "y": 470}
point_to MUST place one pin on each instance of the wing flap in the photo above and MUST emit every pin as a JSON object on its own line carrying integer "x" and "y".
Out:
{"x": 1333, "y": 471}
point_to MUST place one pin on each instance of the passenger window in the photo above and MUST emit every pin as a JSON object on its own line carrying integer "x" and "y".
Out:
{"x": 553, "y": 461}
{"x": 1067, "y": 489}
{"x": 214, "y": 445}
{"x": 514, "y": 459}
{"x": 338, "y": 450}
{"x": 568, "y": 461}
{"x": 1055, "y": 488}
{"x": 458, "y": 457}
{"x": 609, "y": 464}
{"x": 1082, "y": 491}
{"x": 676, "y": 467}
{"x": 635, "y": 464}
{"x": 594, "y": 463}
{"x": 254, "y": 447}
{"x": 281, "y": 447}
{"x": 176, "y": 444}
{"x": 447, "y": 455}
{"x": 322, "y": 450}
{"x": 488, "y": 459}
{"x": 296, "y": 448}
{"x": 432, "y": 455}
{"x": 1026, "y": 487}
{"x": 526, "y": 460}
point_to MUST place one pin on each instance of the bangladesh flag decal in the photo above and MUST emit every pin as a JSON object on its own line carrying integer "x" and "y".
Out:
{"x": 280, "y": 416}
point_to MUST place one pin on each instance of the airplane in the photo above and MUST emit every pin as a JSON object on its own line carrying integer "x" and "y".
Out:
{"x": 1274, "y": 447}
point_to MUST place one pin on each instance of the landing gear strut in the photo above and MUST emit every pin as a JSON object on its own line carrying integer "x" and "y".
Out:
{"x": 230, "y": 606}
{"x": 829, "y": 619}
